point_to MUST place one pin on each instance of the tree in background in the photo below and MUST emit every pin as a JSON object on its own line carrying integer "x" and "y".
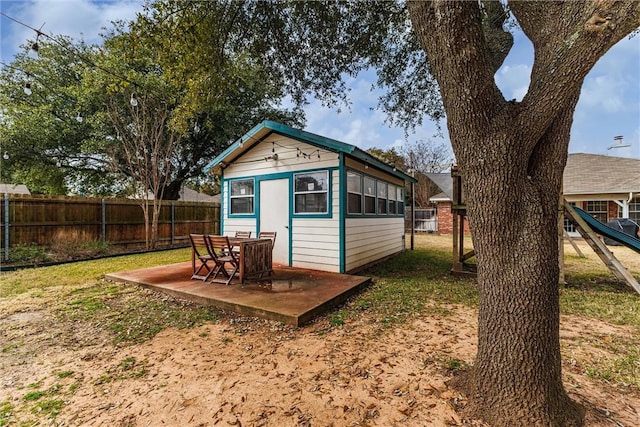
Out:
{"x": 423, "y": 157}
{"x": 144, "y": 148}
{"x": 418, "y": 158}
{"x": 218, "y": 92}
{"x": 221, "y": 88}
{"x": 43, "y": 129}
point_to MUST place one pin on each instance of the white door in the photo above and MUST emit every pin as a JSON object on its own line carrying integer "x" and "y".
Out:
{"x": 274, "y": 215}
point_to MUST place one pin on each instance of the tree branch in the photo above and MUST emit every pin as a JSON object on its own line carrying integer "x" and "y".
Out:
{"x": 583, "y": 32}
{"x": 459, "y": 45}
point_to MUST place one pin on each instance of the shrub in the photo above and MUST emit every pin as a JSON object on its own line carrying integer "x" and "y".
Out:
{"x": 76, "y": 244}
{"x": 28, "y": 252}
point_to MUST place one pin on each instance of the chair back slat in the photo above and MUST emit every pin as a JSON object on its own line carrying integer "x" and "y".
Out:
{"x": 219, "y": 246}
{"x": 198, "y": 243}
{"x": 268, "y": 235}
{"x": 243, "y": 234}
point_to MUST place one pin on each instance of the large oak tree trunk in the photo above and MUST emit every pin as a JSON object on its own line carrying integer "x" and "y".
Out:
{"x": 511, "y": 156}
{"x": 516, "y": 378}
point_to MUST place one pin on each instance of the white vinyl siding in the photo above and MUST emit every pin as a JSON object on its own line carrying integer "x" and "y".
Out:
{"x": 253, "y": 162}
{"x": 370, "y": 239}
{"x": 315, "y": 242}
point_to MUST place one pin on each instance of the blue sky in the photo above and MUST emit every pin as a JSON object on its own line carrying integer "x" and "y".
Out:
{"x": 609, "y": 104}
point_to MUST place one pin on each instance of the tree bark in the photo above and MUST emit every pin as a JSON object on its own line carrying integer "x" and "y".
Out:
{"x": 512, "y": 156}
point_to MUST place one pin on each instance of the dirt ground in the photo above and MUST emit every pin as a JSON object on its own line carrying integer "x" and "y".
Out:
{"x": 241, "y": 371}
{"x": 249, "y": 372}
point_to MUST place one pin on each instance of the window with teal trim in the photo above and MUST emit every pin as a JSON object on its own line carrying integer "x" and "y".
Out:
{"x": 369, "y": 195}
{"x": 354, "y": 193}
{"x": 382, "y": 197}
{"x": 311, "y": 192}
{"x": 241, "y": 198}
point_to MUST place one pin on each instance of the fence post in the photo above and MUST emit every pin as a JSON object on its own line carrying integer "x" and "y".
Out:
{"x": 103, "y": 221}
{"x": 173, "y": 222}
{"x": 6, "y": 226}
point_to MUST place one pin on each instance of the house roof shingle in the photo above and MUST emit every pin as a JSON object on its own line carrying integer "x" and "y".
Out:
{"x": 584, "y": 174}
{"x": 597, "y": 174}
{"x": 14, "y": 189}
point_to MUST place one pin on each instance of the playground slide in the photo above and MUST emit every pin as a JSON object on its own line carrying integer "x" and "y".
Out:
{"x": 606, "y": 231}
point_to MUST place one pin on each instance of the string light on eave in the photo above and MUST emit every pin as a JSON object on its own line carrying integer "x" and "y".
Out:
{"x": 133, "y": 101}
{"x": 79, "y": 118}
{"x": 27, "y": 88}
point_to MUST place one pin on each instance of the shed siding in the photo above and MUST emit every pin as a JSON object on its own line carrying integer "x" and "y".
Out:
{"x": 369, "y": 239}
{"x": 231, "y": 225}
{"x": 315, "y": 242}
{"x": 253, "y": 163}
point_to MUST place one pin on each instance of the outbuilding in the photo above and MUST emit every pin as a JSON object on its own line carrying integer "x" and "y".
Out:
{"x": 333, "y": 206}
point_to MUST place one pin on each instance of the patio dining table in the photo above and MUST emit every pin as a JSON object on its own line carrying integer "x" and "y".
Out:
{"x": 255, "y": 256}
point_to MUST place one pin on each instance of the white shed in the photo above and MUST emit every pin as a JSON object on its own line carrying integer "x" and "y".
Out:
{"x": 334, "y": 206}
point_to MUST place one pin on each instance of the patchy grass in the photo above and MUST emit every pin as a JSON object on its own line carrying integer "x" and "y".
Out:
{"x": 76, "y": 294}
{"x": 6, "y": 412}
{"x": 89, "y": 311}
{"x": 83, "y": 273}
{"x": 415, "y": 282}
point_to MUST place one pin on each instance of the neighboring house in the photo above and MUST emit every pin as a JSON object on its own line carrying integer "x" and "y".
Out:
{"x": 189, "y": 195}
{"x": 14, "y": 189}
{"x": 444, "y": 181}
{"x": 334, "y": 207}
{"x": 606, "y": 187}
{"x": 186, "y": 194}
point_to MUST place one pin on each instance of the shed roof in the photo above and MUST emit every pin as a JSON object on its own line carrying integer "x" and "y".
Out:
{"x": 598, "y": 174}
{"x": 267, "y": 127}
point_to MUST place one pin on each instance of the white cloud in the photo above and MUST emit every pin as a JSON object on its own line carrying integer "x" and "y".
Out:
{"x": 513, "y": 80}
{"x": 605, "y": 92}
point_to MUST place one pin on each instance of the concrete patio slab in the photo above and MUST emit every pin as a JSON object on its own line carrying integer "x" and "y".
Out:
{"x": 291, "y": 295}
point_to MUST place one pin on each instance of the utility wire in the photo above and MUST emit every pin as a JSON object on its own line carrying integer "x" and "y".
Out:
{"x": 68, "y": 49}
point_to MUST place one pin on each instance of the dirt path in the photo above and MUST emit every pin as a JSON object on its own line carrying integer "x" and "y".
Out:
{"x": 248, "y": 372}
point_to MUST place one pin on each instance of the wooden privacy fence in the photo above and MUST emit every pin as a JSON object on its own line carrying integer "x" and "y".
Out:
{"x": 26, "y": 219}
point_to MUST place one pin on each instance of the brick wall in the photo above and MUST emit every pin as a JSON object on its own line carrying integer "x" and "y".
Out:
{"x": 445, "y": 219}
{"x": 612, "y": 211}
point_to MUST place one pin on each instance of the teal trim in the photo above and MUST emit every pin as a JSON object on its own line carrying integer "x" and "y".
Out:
{"x": 345, "y": 201}
{"x": 310, "y": 138}
{"x": 342, "y": 192}
{"x": 291, "y": 184}
{"x": 222, "y": 206}
{"x": 233, "y": 147}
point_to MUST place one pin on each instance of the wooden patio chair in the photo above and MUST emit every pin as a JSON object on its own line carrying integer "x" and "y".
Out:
{"x": 240, "y": 235}
{"x": 268, "y": 235}
{"x": 220, "y": 250}
{"x": 200, "y": 254}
